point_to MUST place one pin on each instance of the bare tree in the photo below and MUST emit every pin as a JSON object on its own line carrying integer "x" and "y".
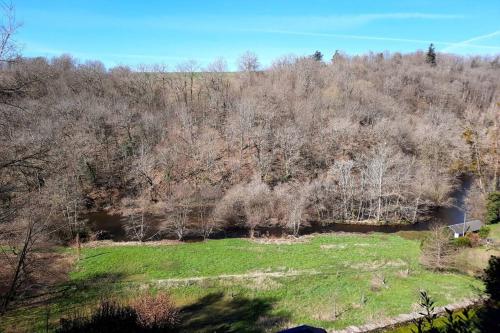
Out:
{"x": 343, "y": 173}
{"x": 22, "y": 239}
{"x": 256, "y": 199}
{"x": 8, "y": 28}
{"x": 290, "y": 142}
{"x": 138, "y": 225}
{"x": 248, "y": 62}
{"x": 179, "y": 206}
{"x": 377, "y": 168}
{"x": 437, "y": 248}
{"x": 297, "y": 209}
{"x": 178, "y": 220}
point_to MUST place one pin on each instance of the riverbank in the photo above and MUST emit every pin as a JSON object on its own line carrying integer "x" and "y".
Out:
{"x": 331, "y": 281}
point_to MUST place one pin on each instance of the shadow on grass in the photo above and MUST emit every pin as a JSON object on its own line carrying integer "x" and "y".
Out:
{"x": 90, "y": 290}
{"x": 220, "y": 313}
{"x": 67, "y": 299}
{"x": 94, "y": 255}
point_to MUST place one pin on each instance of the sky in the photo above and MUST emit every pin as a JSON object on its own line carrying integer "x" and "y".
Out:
{"x": 170, "y": 32}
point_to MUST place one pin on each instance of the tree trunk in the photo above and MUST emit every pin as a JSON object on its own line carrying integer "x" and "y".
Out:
{"x": 17, "y": 273}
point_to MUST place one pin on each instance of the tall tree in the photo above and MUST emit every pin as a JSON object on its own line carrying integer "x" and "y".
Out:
{"x": 493, "y": 208}
{"x": 431, "y": 55}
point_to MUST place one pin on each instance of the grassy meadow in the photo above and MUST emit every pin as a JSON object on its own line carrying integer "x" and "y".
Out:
{"x": 230, "y": 285}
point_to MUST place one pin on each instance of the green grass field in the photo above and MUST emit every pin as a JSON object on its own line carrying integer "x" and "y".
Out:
{"x": 238, "y": 285}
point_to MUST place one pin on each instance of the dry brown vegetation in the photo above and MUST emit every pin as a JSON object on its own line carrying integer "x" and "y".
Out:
{"x": 377, "y": 137}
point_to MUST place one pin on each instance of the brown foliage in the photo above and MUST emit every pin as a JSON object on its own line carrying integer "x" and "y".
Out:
{"x": 370, "y": 137}
{"x": 156, "y": 311}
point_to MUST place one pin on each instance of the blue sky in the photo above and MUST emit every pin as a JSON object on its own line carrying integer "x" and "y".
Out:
{"x": 173, "y": 31}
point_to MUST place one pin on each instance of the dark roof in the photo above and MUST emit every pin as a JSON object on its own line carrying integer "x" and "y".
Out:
{"x": 303, "y": 329}
{"x": 470, "y": 226}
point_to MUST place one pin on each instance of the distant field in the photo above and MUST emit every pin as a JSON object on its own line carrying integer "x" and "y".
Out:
{"x": 240, "y": 285}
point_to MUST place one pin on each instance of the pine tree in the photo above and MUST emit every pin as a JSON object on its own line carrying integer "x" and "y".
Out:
{"x": 493, "y": 208}
{"x": 431, "y": 55}
{"x": 318, "y": 56}
{"x": 336, "y": 55}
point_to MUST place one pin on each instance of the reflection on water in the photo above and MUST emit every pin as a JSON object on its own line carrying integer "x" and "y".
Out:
{"x": 114, "y": 224}
{"x": 455, "y": 213}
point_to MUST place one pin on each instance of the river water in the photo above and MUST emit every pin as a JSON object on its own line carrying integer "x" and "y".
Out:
{"x": 113, "y": 225}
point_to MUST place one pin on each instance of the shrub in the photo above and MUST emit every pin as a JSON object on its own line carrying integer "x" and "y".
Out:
{"x": 437, "y": 248}
{"x": 157, "y": 312}
{"x": 490, "y": 312}
{"x": 378, "y": 282}
{"x": 462, "y": 242}
{"x": 145, "y": 314}
{"x": 473, "y": 238}
{"x": 493, "y": 208}
{"x": 108, "y": 317}
{"x": 484, "y": 231}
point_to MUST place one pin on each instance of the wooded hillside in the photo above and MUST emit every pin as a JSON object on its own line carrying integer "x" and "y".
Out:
{"x": 378, "y": 137}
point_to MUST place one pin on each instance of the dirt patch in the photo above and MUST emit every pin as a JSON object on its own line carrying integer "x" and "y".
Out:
{"x": 235, "y": 277}
{"x": 283, "y": 241}
{"x": 263, "y": 283}
{"x": 333, "y": 246}
{"x": 343, "y": 246}
{"x": 108, "y": 243}
{"x": 378, "y": 264}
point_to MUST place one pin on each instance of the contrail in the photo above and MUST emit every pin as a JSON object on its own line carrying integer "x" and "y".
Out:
{"x": 473, "y": 39}
{"x": 390, "y": 39}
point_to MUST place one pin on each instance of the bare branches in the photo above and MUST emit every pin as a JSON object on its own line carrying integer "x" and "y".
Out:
{"x": 437, "y": 248}
{"x": 8, "y": 28}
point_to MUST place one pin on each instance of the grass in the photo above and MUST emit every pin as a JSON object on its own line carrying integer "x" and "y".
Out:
{"x": 495, "y": 231}
{"x": 473, "y": 261}
{"x": 229, "y": 285}
{"x": 440, "y": 322}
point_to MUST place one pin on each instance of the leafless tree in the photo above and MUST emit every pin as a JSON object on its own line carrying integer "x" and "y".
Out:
{"x": 437, "y": 248}
{"x": 256, "y": 197}
{"x": 8, "y": 28}
{"x": 248, "y": 62}
{"x": 379, "y": 138}
{"x": 22, "y": 239}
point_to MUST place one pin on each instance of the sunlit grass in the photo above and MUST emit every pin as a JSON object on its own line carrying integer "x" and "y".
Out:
{"x": 326, "y": 280}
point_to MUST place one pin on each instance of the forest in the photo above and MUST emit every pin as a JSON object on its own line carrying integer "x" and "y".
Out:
{"x": 378, "y": 138}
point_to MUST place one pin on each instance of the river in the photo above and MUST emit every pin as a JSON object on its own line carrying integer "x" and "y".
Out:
{"x": 113, "y": 225}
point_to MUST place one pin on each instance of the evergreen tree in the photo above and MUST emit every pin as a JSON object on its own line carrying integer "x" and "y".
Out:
{"x": 489, "y": 314}
{"x": 493, "y": 208}
{"x": 318, "y": 56}
{"x": 336, "y": 55}
{"x": 431, "y": 55}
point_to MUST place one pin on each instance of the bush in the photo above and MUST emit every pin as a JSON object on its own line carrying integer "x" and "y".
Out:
{"x": 108, "y": 317}
{"x": 489, "y": 313}
{"x": 473, "y": 238}
{"x": 156, "y": 312}
{"x": 462, "y": 242}
{"x": 493, "y": 208}
{"x": 484, "y": 231}
{"x": 145, "y": 314}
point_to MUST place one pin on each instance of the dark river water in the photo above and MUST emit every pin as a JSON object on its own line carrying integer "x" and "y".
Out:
{"x": 113, "y": 225}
